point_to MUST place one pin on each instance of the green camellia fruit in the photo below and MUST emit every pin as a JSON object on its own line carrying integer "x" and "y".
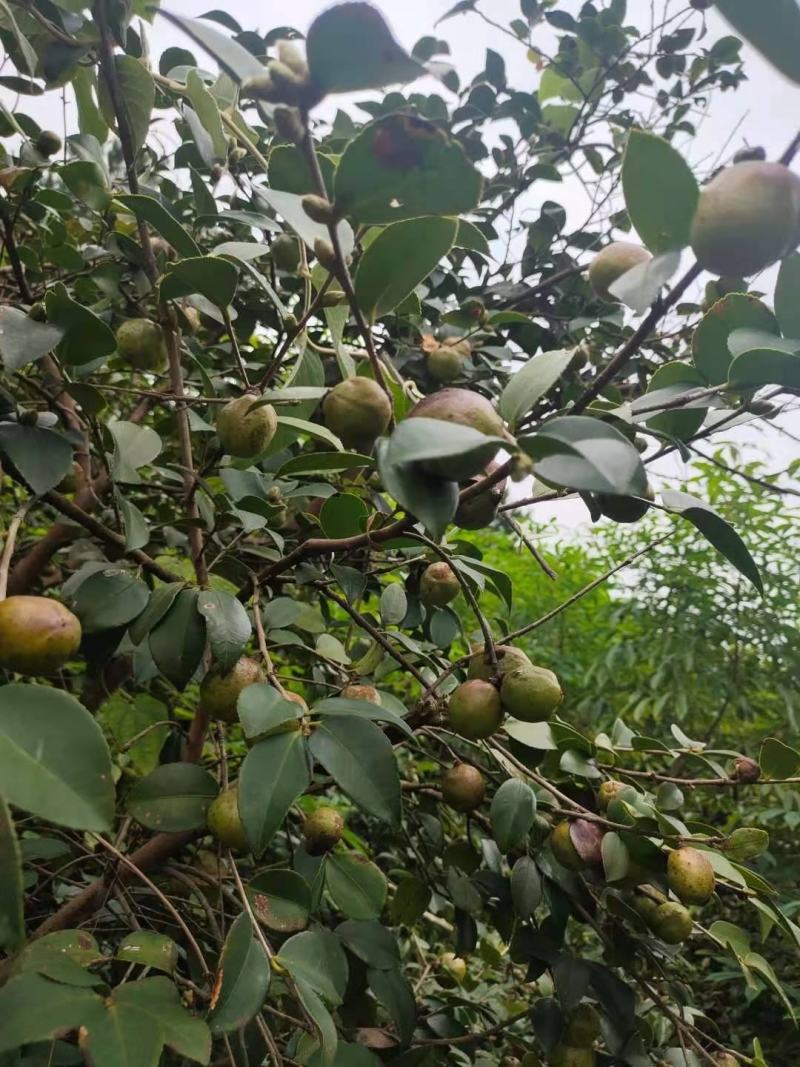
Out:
{"x": 725, "y": 1059}
{"x": 508, "y": 659}
{"x": 463, "y": 787}
{"x": 608, "y": 791}
{"x": 611, "y": 263}
{"x": 747, "y": 217}
{"x": 48, "y": 143}
{"x": 480, "y": 510}
{"x": 583, "y": 1026}
{"x": 446, "y": 361}
{"x": 361, "y": 692}
{"x": 322, "y": 830}
{"x": 358, "y": 411}
{"x": 563, "y": 848}
{"x": 220, "y": 692}
{"x": 690, "y": 875}
{"x": 531, "y": 693}
{"x": 647, "y": 904}
{"x": 37, "y": 635}
{"x": 245, "y": 431}
{"x": 465, "y": 408}
{"x": 223, "y": 820}
{"x": 475, "y": 710}
{"x": 285, "y": 252}
{"x": 438, "y": 585}
{"x": 140, "y": 343}
{"x": 569, "y": 1056}
{"x": 671, "y": 922}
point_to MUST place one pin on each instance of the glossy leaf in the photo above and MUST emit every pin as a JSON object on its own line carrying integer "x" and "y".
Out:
{"x": 243, "y": 979}
{"x": 317, "y": 958}
{"x": 777, "y": 759}
{"x": 22, "y": 340}
{"x": 274, "y": 774}
{"x": 787, "y": 296}
{"x": 211, "y": 276}
{"x": 174, "y": 797}
{"x": 178, "y": 641}
{"x": 578, "y": 452}
{"x": 137, "y": 92}
{"x": 150, "y": 949}
{"x": 162, "y": 221}
{"x": 530, "y": 383}
{"x": 773, "y": 28}
{"x": 401, "y": 256}
{"x": 660, "y": 190}
{"x": 761, "y": 358}
{"x": 41, "y": 456}
{"x": 109, "y": 598}
{"x": 227, "y": 625}
{"x": 281, "y": 900}
{"x": 710, "y": 351}
{"x": 431, "y": 500}
{"x": 512, "y": 813}
{"x": 360, "y": 758}
{"x": 86, "y": 337}
{"x": 356, "y": 885}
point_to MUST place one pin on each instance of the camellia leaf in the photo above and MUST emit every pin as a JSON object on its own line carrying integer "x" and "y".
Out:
{"x": 317, "y": 958}
{"x": 233, "y": 58}
{"x": 360, "y": 758}
{"x": 162, "y": 221}
{"x": 207, "y": 111}
{"x": 778, "y": 760}
{"x": 281, "y": 900}
{"x": 149, "y": 949}
{"x": 109, "y": 598}
{"x": 227, "y": 624}
{"x": 289, "y": 170}
{"x": 526, "y": 887}
{"x": 670, "y": 381}
{"x": 54, "y": 761}
{"x": 274, "y": 774}
{"x": 213, "y": 277}
{"x": 23, "y": 340}
{"x": 161, "y": 600}
{"x": 178, "y": 641}
{"x": 242, "y": 981}
{"x": 86, "y": 337}
{"x": 88, "y": 182}
{"x": 579, "y": 452}
{"x": 137, "y": 92}
{"x": 290, "y": 207}
{"x": 337, "y": 706}
{"x": 401, "y": 256}
{"x": 430, "y": 499}
{"x": 530, "y": 383}
{"x": 716, "y": 531}
{"x": 761, "y": 358}
{"x": 639, "y": 286}
{"x": 350, "y": 47}
{"x": 41, "y": 456}
{"x": 12, "y": 923}
{"x": 512, "y": 813}
{"x": 356, "y": 885}
{"x": 772, "y": 27}
{"x": 710, "y": 351}
{"x": 787, "y": 296}
{"x": 660, "y": 190}
{"x": 174, "y": 797}
{"x": 261, "y": 709}
{"x": 32, "y": 1008}
{"x": 403, "y": 167}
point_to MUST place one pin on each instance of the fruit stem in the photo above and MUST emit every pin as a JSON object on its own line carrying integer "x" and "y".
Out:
{"x": 8, "y": 547}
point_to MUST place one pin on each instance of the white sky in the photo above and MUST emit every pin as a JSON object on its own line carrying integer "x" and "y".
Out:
{"x": 764, "y": 111}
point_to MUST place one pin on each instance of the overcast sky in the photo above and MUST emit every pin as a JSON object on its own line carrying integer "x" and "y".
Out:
{"x": 764, "y": 111}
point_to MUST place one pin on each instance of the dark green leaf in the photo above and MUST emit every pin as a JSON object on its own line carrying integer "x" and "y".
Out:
{"x": 35, "y": 1009}
{"x": 211, "y": 276}
{"x": 512, "y": 813}
{"x": 41, "y": 456}
{"x": 12, "y": 924}
{"x": 403, "y": 167}
{"x": 162, "y": 221}
{"x": 289, "y": 170}
{"x": 109, "y": 598}
{"x": 400, "y": 257}
{"x": 274, "y": 774}
{"x": 227, "y": 624}
{"x": 261, "y": 709}
{"x": 410, "y": 901}
{"x": 660, "y": 192}
{"x": 54, "y": 761}
{"x": 343, "y": 515}
{"x": 746, "y": 843}
{"x": 356, "y": 885}
{"x": 360, "y": 758}
{"x": 710, "y": 351}
{"x": 579, "y": 452}
{"x": 245, "y": 974}
{"x": 338, "y": 706}
{"x": 616, "y": 859}
{"x": 178, "y": 641}
{"x": 174, "y": 797}
{"x": 670, "y": 381}
{"x": 317, "y": 958}
{"x": 371, "y": 942}
{"x": 526, "y": 887}
{"x": 760, "y": 358}
{"x": 394, "y": 992}
{"x": 161, "y": 600}
{"x": 23, "y": 340}
{"x": 772, "y": 27}
{"x": 281, "y": 900}
{"x": 529, "y": 384}
{"x": 778, "y": 760}
{"x": 137, "y": 92}
{"x": 149, "y": 949}
{"x": 428, "y": 499}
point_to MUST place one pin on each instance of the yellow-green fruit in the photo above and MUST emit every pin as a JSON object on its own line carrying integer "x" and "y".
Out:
{"x": 219, "y": 692}
{"x": 612, "y": 262}
{"x": 607, "y": 792}
{"x": 463, "y": 787}
{"x": 37, "y": 635}
{"x": 446, "y": 362}
{"x": 622, "y": 508}
{"x": 224, "y": 823}
{"x": 671, "y": 922}
{"x": 475, "y": 710}
{"x": 285, "y": 252}
{"x": 690, "y": 875}
{"x": 583, "y": 1027}
{"x": 566, "y": 1056}
{"x": 358, "y": 411}
{"x": 508, "y": 659}
{"x": 37, "y": 312}
{"x": 563, "y": 849}
{"x": 531, "y": 693}
{"x": 140, "y": 342}
{"x": 478, "y": 511}
{"x": 747, "y": 217}
{"x": 438, "y": 585}
{"x": 647, "y": 904}
{"x": 455, "y": 966}
{"x": 322, "y": 830}
{"x": 72, "y": 480}
{"x": 724, "y": 1059}
{"x": 245, "y": 431}
{"x": 465, "y": 408}
{"x": 48, "y": 143}
{"x": 361, "y": 692}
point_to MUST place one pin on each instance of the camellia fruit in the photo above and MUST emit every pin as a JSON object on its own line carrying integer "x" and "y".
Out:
{"x": 583, "y": 1026}
{"x": 438, "y": 585}
{"x": 563, "y": 848}
{"x": 724, "y": 1059}
{"x": 465, "y": 408}
{"x": 623, "y": 508}
{"x": 690, "y": 875}
{"x": 37, "y": 635}
{"x": 608, "y": 791}
{"x": 220, "y": 692}
{"x": 48, "y": 143}
{"x": 455, "y": 966}
{"x": 446, "y": 361}
{"x": 474, "y": 710}
{"x": 140, "y": 342}
{"x": 647, "y": 904}
{"x": 463, "y": 787}
{"x": 361, "y": 692}
{"x": 285, "y": 252}
{"x": 611, "y": 263}
{"x": 571, "y": 1056}
{"x": 671, "y": 922}
{"x": 358, "y": 411}
{"x": 747, "y": 217}
{"x": 245, "y": 431}
{"x": 531, "y": 693}
{"x": 508, "y": 659}
{"x": 746, "y": 770}
{"x": 223, "y": 820}
{"x": 478, "y": 511}
{"x": 322, "y": 830}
